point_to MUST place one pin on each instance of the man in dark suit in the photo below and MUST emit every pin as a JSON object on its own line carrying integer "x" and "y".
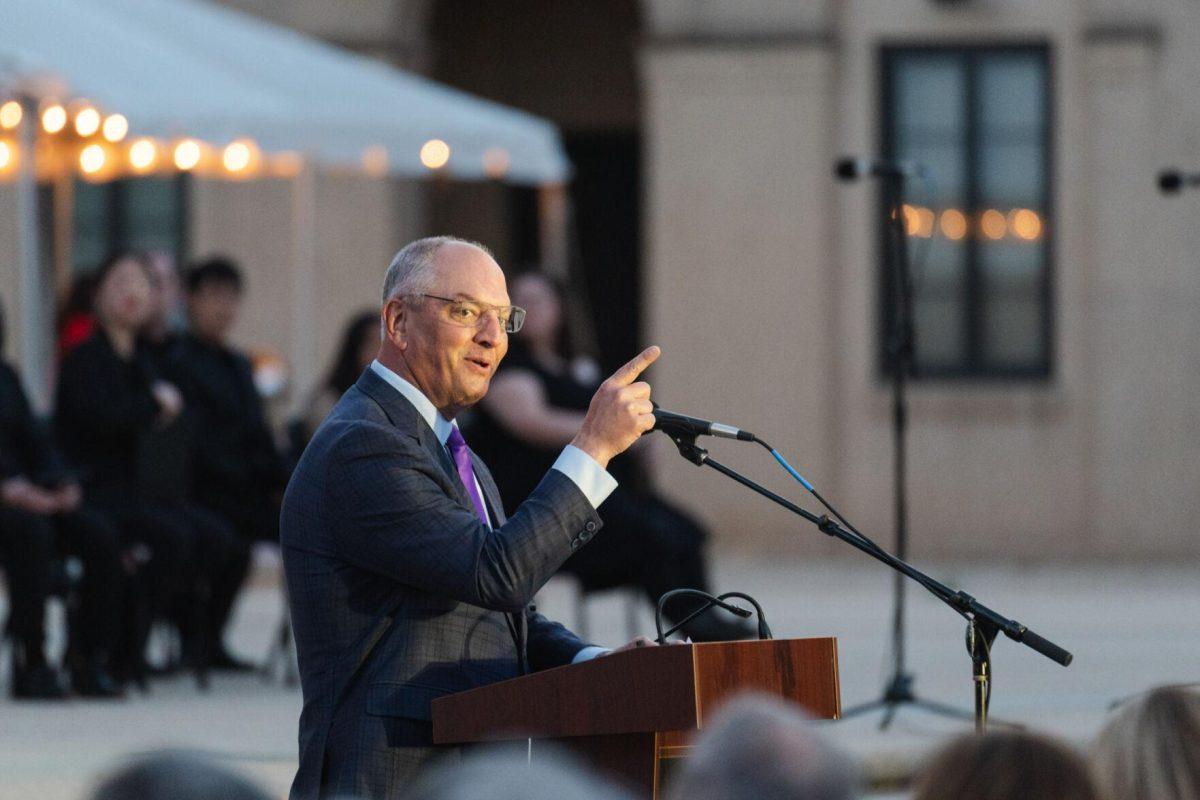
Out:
{"x": 237, "y": 470}
{"x": 407, "y": 580}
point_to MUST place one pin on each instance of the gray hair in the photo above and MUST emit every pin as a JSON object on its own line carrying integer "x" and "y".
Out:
{"x": 1151, "y": 747}
{"x": 760, "y": 748}
{"x": 502, "y": 774}
{"x": 411, "y": 271}
{"x": 176, "y": 775}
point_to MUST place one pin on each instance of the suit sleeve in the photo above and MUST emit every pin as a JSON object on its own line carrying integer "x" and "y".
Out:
{"x": 392, "y": 513}
{"x": 550, "y": 644}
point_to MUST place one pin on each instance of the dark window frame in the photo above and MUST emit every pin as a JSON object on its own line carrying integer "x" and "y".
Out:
{"x": 116, "y": 218}
{"x": 974, "y": 366}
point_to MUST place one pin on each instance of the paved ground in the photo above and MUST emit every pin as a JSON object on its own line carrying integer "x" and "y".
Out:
{"x": 1129, "y": 627}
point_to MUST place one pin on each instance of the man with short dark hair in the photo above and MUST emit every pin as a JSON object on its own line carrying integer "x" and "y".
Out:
{"x": 407, "y": 580}
{"x": 236, "y": 469}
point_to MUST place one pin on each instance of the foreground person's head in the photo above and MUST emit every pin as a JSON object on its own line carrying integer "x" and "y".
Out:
{"x": 175, "y": 776}
{"x": 1150, "y": 749}
{"x": 1005, "y": 766}
{"x": 760, "y": 748}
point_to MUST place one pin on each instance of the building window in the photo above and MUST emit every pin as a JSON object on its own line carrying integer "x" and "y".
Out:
{"x": 980, "y": 223}
{"x": 140, "y": 213}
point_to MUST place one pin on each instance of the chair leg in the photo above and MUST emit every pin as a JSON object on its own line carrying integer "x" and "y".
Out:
{"x": 581, "y": 614}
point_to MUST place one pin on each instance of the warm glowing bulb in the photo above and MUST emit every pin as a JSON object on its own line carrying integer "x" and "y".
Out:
{"x": 10, "y": 115}
{"x": 912, "y": 219}
{"x": 187, "y": 154}
{"x": 92, "y": 158}
{"x": 87, "y": 121}
{"x": 115, "y": 127}
{"x": 236, "y": 157}
{"x": 495, "y": 162}
{"x": 993, "y": 224}
{"x": 1025, "y": 224}
{"x": 375, "y": 161}
{"x": 435, "y": 153}
{"x": 142, "y": 154}
{"x": 6, "y": 155}
{"x": 925, "y": 219}
{"x": 54, "y": 118}
{"x": 953, "y": 224}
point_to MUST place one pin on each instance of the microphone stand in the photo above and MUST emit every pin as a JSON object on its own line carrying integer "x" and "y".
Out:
{"x": 983, "y": 624}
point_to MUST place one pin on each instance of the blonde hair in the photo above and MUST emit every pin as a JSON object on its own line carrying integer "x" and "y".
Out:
{"x": 1150, "y": 749}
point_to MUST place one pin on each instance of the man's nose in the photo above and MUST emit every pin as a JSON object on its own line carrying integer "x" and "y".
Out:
{"x": 490, "y": 329}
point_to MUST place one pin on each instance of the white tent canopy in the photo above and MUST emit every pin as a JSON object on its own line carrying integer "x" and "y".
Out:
{"x": 191, "y": 68}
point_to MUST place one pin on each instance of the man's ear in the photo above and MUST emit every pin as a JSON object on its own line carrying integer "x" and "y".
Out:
{"x": 395, "y": 323}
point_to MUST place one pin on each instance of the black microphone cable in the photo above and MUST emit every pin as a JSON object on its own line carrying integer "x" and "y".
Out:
{"x": 764, "y": 632}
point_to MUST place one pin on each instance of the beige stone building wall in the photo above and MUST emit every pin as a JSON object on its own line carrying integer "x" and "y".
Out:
{"x": 761, "y": 280}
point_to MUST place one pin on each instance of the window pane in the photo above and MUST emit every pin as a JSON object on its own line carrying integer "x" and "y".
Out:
{"x": 1013, "y": 335}
{"x": 152, "y": 214}
{"x": 93, "y": 237}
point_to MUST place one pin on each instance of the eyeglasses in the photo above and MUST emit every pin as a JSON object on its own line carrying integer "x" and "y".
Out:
{"x": 470, "y": 314}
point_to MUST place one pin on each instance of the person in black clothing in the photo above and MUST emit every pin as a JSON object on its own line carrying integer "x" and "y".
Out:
{"x": 40, "y": 508}
{"x": 238, "y": 471}
{"x": 118, "y": 422}
{"x": 536, "y": 403}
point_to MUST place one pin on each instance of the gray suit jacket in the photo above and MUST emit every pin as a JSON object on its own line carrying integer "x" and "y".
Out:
{"x": 399, "y": 594}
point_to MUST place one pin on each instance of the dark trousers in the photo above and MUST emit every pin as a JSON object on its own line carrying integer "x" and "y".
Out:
{"x": 26, "y": 550}
{"x": 95, "y": 540}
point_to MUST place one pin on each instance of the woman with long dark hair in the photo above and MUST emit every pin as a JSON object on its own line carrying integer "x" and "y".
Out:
{"x": 534, "y": 406}
{"x": 111, "y": 406}
{"x": 356, "y": 350}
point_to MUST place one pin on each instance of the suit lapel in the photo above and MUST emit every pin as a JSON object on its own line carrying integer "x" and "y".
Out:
{"x": 402, "y": 414}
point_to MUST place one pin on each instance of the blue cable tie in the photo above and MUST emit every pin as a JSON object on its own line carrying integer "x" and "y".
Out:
{"x": 792, "y": 470}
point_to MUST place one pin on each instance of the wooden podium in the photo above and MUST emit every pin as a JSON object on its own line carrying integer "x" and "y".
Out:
{"x": 630, "y": 713}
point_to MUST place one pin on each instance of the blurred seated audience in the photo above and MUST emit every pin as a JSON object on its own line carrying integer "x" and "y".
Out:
{"x": 118, "y": 422}
{"x": 41, "y": 513}
{"x": 176, "y": 776}
{"x": 761, "y": 748}
{"x": 1005, "y": 765}
{"x": 165, "y": 320}
{"x": 535, "y": 405}
{"x": 503, "y": 774}
{"x": 356, "y": 350}
{"x": 238, "y": 472}
{"x": 1150, "y": 749}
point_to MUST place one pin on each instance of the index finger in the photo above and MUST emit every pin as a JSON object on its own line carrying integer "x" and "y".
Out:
{"x": 629, "y": 373}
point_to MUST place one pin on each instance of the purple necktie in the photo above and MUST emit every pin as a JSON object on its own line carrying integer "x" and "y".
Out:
{"x": 462, "y": 460}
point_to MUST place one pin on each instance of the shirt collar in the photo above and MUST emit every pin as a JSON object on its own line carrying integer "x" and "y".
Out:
{"x": 440, "y": 425}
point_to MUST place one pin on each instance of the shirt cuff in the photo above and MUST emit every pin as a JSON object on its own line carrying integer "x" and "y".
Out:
{"x": 591, "y": 478}
{"x": 589, "y": 652}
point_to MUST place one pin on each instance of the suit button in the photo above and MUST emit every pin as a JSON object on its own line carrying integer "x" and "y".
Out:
{"x": 590, "y": 527}
{"x": 574, "y": 544}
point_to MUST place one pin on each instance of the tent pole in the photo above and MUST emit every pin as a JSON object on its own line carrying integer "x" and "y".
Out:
{"x": 35, "y": 318}
{"x": 554, "y": 228}
{"x": 304, "y": 254}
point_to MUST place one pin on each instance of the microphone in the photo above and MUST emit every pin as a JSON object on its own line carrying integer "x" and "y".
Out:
{"x": 671, "y": 423}
{"x": 1172, "y": 181}
{"x": 849, "y": 169}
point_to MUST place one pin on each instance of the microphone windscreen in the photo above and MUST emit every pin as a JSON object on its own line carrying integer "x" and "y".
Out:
{"x": 1170, "y": 181}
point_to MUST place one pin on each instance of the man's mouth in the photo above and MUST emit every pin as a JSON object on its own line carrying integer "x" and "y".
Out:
{"x": 482, "y": 363}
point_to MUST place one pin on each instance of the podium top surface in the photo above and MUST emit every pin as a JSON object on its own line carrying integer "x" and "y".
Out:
{"x": 676, "y": 687}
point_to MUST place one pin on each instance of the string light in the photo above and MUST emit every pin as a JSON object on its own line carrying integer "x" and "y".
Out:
{"x": 953, "y": 224}
{"x": 187, "y": 154}
{"x": 236, "y": 156}
{"x": 143, "y": 154}
{"x": 435, "y": 154}
{"x": 375, "y": 161}
{"x": 87, "y": 121}
{"x": 1026, "y": 224}
{"x": 495, "y": 162}
{"x": 92, "y": 159}
{"x": 10, "y": 115}
{"x": 993, "y": 224}
{"x": 54, "y": 118}
{"x": 6, "y": 155}
{"x": 115, "y": 127}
